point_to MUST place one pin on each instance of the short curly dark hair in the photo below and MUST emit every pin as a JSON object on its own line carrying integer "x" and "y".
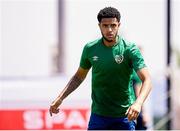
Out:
{"x": 109, "y": 12}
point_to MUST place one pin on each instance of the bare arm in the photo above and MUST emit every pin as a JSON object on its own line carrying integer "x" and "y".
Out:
{"x": 137, "y": 88}
{"x": 146, "y": 85}
{"x": 73, "y": 84}
{"x": 134, "y": 110}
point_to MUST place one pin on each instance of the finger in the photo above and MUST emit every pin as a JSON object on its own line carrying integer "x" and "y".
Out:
{"x": 56, "y": 111}
{"x": 136, "y": 115}
{"x": 50, "y": 112}
{"x": 127, "y": 111}
{"x": 130, "y": 115}
{"x": 133, "y": 116}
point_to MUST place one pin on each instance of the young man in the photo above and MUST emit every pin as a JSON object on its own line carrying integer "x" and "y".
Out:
{"x": 113, "y": 60}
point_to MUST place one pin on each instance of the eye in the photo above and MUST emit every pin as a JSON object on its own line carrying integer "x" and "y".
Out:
{"x": 105, "y": 26}
{"x": 113, "y": 25}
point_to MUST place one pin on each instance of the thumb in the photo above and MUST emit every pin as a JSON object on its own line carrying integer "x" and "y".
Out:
{"x": 127, "y": 111}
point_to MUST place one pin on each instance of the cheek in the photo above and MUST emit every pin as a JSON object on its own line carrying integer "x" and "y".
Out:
{"x": 116, "y": 30}
{"x": 103, "y": 31}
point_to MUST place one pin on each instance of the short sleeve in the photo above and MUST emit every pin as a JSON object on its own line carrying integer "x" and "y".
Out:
{"x": 84, "y": 62}
{"x": 136, "y": 58}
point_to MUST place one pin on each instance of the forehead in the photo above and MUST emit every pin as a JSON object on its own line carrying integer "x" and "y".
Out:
{"x": 109, "y": 20}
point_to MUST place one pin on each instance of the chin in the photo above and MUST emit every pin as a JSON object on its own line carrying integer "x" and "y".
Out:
{"x": 109, "y": 39}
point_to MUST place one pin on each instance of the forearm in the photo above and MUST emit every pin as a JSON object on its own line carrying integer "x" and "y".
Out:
{"x": 70, "y": 87}
{"x": 137, "y": 88}
{"x": 144, "y": 92}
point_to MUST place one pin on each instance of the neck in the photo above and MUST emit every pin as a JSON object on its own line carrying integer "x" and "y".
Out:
{"x": 110, "y": 43}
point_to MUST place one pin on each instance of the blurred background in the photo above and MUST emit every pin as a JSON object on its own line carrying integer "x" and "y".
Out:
{"x": 40, "y": 48}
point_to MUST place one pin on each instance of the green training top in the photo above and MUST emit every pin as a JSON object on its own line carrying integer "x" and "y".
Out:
{"x": 111, "y": 75}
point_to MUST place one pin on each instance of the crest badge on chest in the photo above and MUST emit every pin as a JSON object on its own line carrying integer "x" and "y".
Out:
{"x": 119, "y": 58}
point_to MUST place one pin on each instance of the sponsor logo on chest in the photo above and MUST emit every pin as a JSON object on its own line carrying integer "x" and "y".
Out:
{"x": 118, "y": 58}
{"x": 95, "y": 58}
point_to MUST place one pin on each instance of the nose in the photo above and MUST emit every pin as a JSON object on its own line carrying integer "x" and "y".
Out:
{"x": 109, "y": 28}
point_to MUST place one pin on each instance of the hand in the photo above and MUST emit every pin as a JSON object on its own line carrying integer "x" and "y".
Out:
{"x": 54, "y": 106}
{"x": 133, "y": 111}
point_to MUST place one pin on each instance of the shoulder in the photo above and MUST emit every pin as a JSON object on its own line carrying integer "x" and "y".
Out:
{"x": 92, "y": 44}
{"x": 127, "y": 44}
{"x": 129, "y": 47}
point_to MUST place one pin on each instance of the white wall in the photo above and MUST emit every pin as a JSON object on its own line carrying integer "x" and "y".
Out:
{"x": 28, "y": 31}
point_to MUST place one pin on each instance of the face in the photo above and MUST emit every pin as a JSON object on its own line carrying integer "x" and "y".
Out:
{"x": 109, "y": 28}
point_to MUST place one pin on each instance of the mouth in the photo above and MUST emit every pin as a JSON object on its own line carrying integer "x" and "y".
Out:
{"x": 110, "y": 36}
